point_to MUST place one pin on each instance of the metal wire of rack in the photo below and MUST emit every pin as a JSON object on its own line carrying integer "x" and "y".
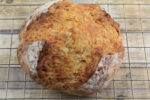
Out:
{"x": 132, "y": 80}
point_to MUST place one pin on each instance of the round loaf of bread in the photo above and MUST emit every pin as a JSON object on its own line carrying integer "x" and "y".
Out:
{"x": 71, "y": 47}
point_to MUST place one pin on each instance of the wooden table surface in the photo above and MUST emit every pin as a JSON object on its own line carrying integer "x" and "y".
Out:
{"x": 131, "y": 82}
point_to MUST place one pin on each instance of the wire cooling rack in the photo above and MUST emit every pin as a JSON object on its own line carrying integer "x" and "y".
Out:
{"x": 131, "y": 82}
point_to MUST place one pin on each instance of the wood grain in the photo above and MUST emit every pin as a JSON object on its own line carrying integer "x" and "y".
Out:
{"x": 6, "y": 24}
{"x": 21, "y": 11}
{"x": 123, "y": 74}
{"x": 51, "y": 94}
{"x": 132, "y": 1}
{"x": 144, "y": 11}
{"x": 16, "y": 85}
{"x": 3, "y": 85}
{"x": 109, "y": 93}
{"x": 133, "y": 24}
{"x": 15, "y": 41}
{"x": 16, "y": 74}
{"x": 4, "y": 56}
{"x": 136, "y": 75}
{"x": 33, "y": 93}
{"x": 6, "y": 12}
{"x": 17, "y": 24}
{"x": 146, "y": 39}
{"x": 144, "y": 2}
{"x": 17, "y": 2}
{"x": 15, "y": 93}
{"x": 129, "y": 9}
{"x": 3, "y": 93}
{"x": 13, "y": 58}
{"x": 3, "y": 74}
{"x": 5, "y": 41}
{"x": 145, "y": 24}
{"x": 147, "y": 54}
{"x": 143, "y": 93}
{"x": 124, "y": 93}
{"x": 33, "y": 85}
{"x": 116, "y": 10}
{"x": 126, "y": 56}
{"x": 10, "y": 2}
{"x": 140, "y": 84}
{"x": 135, "y": 40}
{"x": 122, "y": 84}
{"x": 137, "y": 55}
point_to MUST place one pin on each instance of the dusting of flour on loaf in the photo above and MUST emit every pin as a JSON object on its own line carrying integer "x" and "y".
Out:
{"x": 32, "y": 55}
{"x": 100, "y": 79}
{"x": 36, "y": 13}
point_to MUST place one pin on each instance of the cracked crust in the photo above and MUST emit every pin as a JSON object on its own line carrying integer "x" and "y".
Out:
{"x": 76, "y": 38}
{"x": 104, "y": 73}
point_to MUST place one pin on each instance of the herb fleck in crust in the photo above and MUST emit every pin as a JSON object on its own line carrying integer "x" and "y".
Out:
{"x": 76, "y": 38}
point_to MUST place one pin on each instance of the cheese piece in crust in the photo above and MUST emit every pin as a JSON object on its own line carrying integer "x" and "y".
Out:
{"x": 81, "y": 47}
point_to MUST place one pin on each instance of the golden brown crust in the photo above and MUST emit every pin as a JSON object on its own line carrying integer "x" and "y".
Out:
{"x": 103, "y": 74}
{"x": 76, "y": 38}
